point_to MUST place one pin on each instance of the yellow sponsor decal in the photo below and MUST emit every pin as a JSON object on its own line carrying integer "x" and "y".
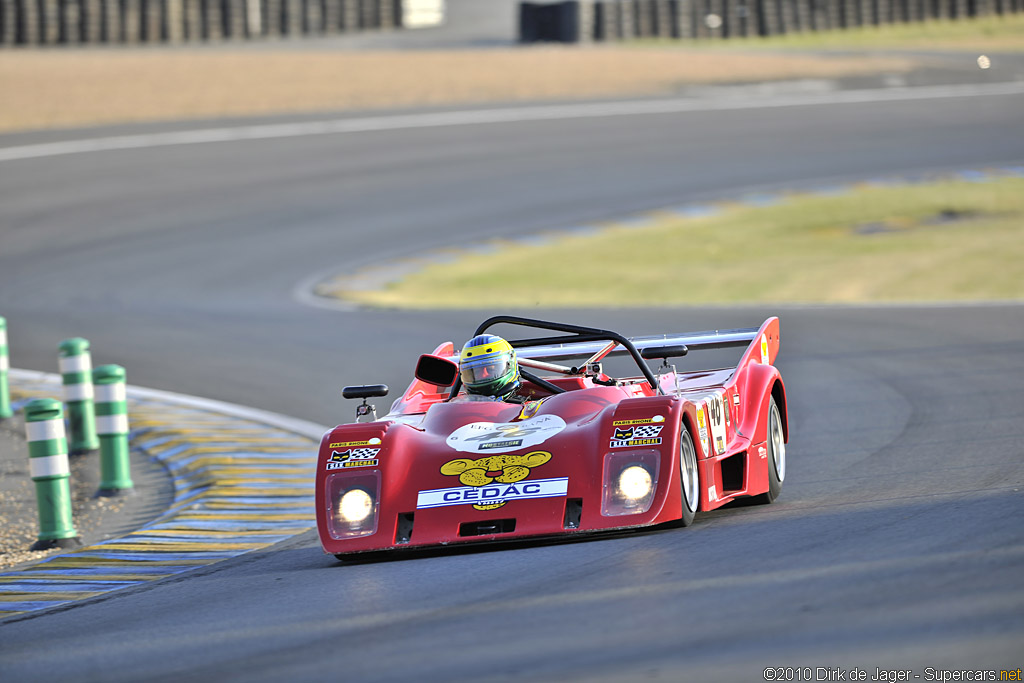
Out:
{"x": 345, "y": 444}
{"x": 640, "y": 421}
{"x": 504, "y": 469}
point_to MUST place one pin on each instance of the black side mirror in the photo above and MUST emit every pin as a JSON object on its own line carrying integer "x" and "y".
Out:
{"x": 664, "y": 352}
{"x": 365, "y": 391}
{"x": 364, "y": 411}
{"x": 436, "y": 370}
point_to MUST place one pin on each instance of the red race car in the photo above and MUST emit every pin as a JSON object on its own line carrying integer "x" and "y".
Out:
{"x": 574, "y": 451}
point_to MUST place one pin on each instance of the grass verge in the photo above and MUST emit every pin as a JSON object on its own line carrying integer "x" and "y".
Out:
{"x": 945, "y": 241}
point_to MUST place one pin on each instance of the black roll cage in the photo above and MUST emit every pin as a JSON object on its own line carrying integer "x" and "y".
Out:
{"x": 574, "y": 333}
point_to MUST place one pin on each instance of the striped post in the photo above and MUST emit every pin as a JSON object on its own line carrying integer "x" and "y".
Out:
{"x": 48, "y": 463}
{"x": 112, "y": 427}
{"x": 76, "y": 371}
{"x": 5, "y": 365}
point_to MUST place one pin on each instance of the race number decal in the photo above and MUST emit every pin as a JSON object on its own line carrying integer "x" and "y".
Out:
{"x": 502, "y": 437}
{"x": 716, "y": 418}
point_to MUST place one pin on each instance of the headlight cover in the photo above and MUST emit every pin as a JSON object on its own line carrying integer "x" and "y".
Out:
{"x": 630, "y": 480}
{"x": 353, "y": 502}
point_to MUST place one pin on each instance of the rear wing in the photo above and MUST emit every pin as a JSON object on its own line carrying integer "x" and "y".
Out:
{"x": 711, "y": 339}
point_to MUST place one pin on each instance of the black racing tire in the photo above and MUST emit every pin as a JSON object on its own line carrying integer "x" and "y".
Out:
{"x": 689, "y": 477}
{"x": 776, "y": 444}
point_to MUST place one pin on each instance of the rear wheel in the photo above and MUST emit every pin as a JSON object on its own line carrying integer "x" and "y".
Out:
{"x": 688, "y": 477}
{"x": 776, "y": 454}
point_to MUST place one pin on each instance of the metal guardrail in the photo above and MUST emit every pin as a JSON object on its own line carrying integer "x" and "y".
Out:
{"x": 72, "y": 22}
{"x": 580, "y": 21}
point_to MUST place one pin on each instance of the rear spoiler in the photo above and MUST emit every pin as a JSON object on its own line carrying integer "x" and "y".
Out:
{"x": 712, "y": 339}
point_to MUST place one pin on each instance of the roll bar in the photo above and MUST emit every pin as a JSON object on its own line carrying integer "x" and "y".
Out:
{"x": 580, "y": 334}
{"x": 582, "y": 343}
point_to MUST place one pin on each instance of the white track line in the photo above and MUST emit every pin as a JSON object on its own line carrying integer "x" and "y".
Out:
{"x": 502, "y": 115}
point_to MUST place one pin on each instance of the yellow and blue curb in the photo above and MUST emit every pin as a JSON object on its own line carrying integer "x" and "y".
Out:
{"x": 243, "y": 480}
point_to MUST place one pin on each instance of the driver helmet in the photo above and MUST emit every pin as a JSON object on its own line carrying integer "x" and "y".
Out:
{"x": 488, "y": 366}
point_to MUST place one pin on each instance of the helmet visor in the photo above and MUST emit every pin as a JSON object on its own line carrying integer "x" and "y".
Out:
{"x": 485, "y": 371}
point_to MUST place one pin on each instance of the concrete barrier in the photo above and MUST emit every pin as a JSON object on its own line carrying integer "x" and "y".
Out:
{"x": 562, "y": 22}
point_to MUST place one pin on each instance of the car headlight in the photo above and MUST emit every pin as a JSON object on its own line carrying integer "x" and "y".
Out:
{"x": 355, "y": 506}
{"x": 635, "y": 483}
{"x": 353, "y": 503}
{"x": 630, "y": 481}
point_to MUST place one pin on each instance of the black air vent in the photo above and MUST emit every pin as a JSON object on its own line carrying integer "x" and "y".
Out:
{"x": 732, "y": 472}
{"x": 403, "y": 534}
{"x": 573, "y": 513}
{"x": 488, "y": 527}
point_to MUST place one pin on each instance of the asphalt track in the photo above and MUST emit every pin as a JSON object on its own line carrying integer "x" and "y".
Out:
{"x": 898, "y": 539}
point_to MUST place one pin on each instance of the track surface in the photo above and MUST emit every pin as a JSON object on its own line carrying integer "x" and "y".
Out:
{"x": 897, "y": 542}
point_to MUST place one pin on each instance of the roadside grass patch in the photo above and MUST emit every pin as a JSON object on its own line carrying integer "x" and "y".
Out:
{"x": 944, "y": 241}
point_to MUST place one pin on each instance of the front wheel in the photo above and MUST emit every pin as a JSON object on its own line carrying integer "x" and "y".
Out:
{"x": 689, "y": 479}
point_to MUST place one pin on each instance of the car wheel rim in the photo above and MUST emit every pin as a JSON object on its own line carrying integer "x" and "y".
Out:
{"x": 778, "y": 443}
{"x": 688, "y": 470}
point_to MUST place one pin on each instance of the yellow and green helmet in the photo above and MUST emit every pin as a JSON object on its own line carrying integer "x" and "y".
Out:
{"x": 488, "y": 366}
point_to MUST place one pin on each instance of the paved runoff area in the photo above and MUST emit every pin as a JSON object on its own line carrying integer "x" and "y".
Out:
{"x": 243, "y": 480}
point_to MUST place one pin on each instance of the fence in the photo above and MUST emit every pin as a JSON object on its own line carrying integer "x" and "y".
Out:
{"x": 72, "y": 22}
{"x": 610, "y": 20}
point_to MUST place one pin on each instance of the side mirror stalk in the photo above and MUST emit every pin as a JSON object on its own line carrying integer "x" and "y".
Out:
{"x": 365, "y": 412}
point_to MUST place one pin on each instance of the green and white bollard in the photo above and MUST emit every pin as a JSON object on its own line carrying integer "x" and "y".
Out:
{"x": 112, "y": 428}
{"x": 76, "y": 371}
{"x": 5, "y": 365}
{"x": 48, "y": 463}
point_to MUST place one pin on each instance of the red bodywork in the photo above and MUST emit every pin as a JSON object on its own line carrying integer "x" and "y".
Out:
{"x": 398, "y": 459}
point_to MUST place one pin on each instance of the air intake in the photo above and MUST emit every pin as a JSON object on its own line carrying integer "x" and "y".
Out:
{"x": 403, "y": 533}
{"x": 573, "y": 513}
{"x": 488, "y": 527}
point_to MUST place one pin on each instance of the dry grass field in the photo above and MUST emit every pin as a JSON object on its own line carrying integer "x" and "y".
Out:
{"x": 944, "y": 241}
{"x": 82, "y": 87}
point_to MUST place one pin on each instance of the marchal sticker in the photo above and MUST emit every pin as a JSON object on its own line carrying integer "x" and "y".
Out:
{"x": 639, "y": 435}
{"x": 353, "y": 457}
{"x": 764, "y": 350}
{"x": 502, "y": 437}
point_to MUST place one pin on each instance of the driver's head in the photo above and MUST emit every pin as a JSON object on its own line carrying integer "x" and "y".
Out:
{"x": 488, "y": 366}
